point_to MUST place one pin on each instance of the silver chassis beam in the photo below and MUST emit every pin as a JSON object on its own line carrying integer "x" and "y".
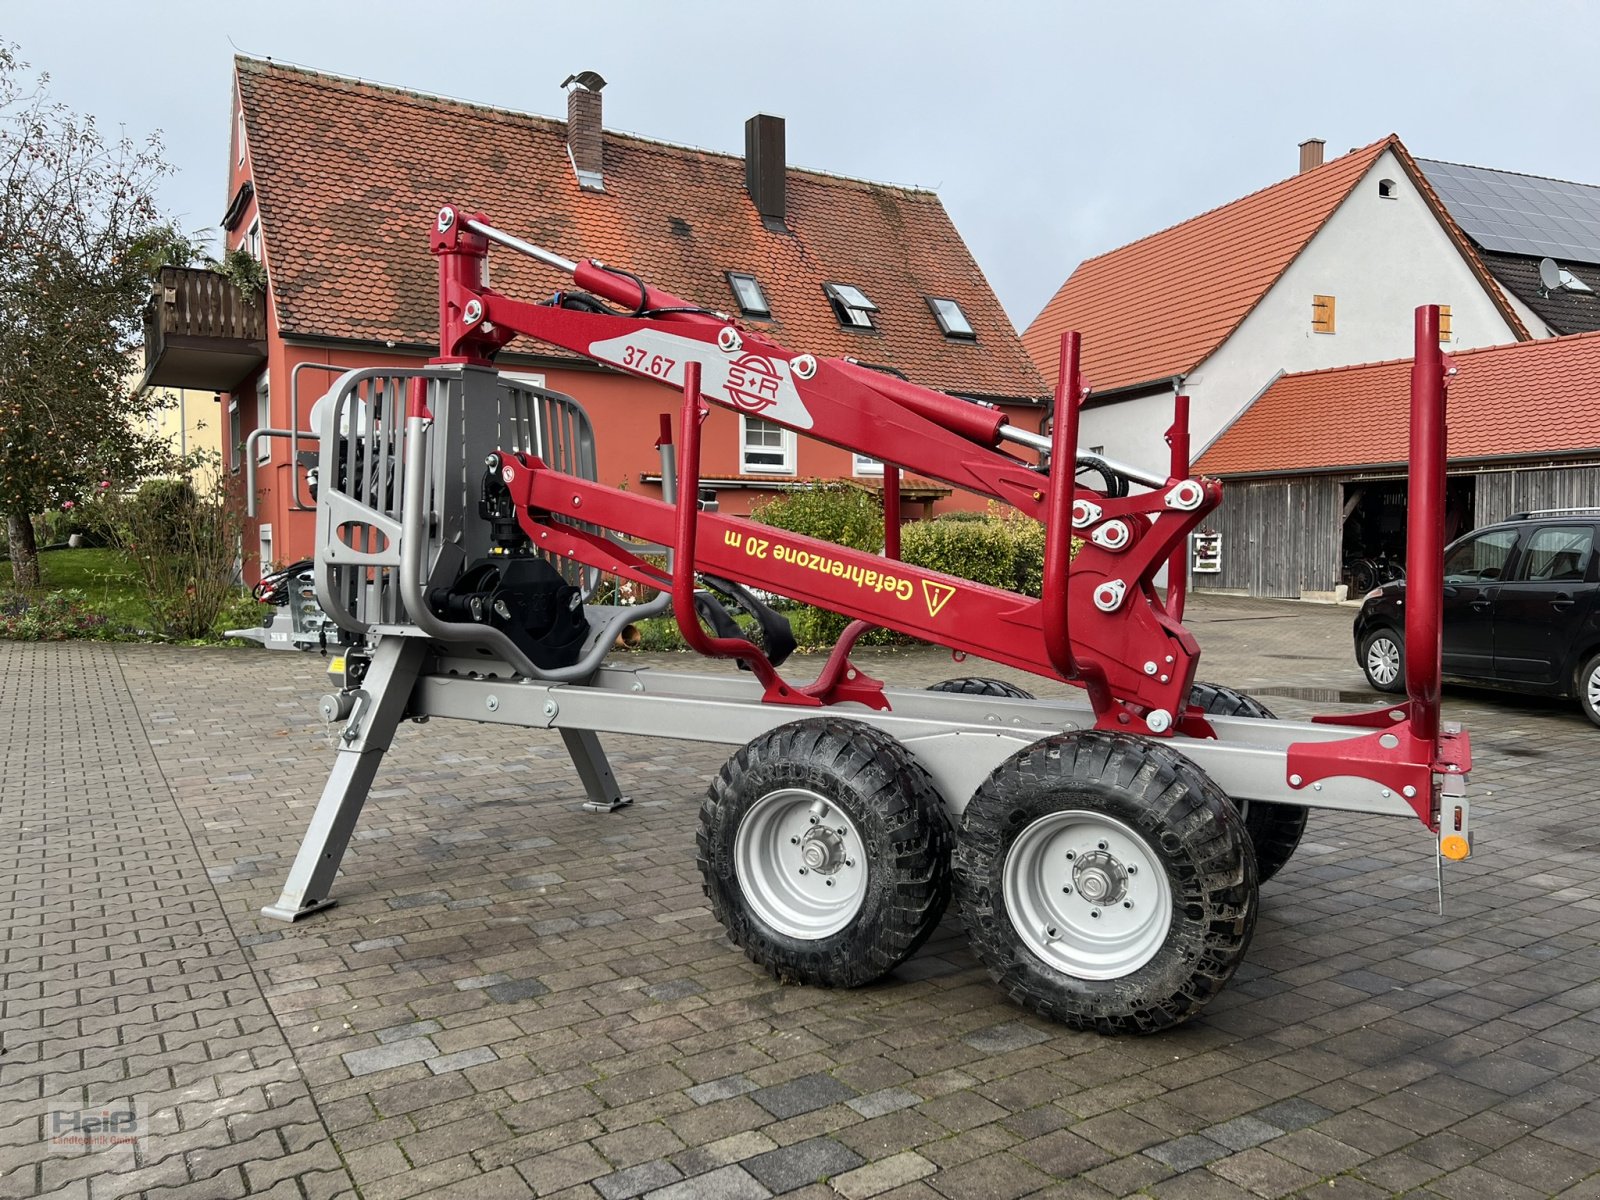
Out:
{"x": 959, "y": 739}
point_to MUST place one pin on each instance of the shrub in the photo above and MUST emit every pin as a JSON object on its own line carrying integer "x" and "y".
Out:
{"x": 835, "y": 512}
{"x": 55, "y": 617}
{"x": 54, "y": 528}
{"x": 184, "y": 542}
{"x": 241, "y": 611}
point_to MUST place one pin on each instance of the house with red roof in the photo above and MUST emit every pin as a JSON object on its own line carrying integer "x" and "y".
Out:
{"x": 1322, "y": 269}
{"x": 333, "y": 184}
{"x": 1314, "y": 470}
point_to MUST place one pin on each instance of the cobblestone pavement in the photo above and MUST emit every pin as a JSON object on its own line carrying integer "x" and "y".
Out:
{"x": 515, "y": 997}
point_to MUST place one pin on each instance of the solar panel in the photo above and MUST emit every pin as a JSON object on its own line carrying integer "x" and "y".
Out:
{"x": 1520, "y": 214}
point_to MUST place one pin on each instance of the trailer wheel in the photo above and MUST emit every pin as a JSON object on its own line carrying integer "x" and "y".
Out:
{"x": 1105, "y": 882}
{"x": 979, "y": 685}
{"x": 824, "y": 848}
{"x": 1275, "y": 829}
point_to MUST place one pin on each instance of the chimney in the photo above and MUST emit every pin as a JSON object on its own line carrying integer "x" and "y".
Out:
{"x": 1311, "y": 154}
{"x": 585, "y": 138}
{"x": 765, "y": 169}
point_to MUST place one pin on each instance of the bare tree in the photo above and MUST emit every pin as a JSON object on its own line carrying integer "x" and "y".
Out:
{"x": 80, "y": 238}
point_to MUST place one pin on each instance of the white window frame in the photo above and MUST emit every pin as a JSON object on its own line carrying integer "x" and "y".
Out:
{"x": 263, "y": 548}
{"x": 264, "y": 416}
{"x": 239, "y": 131}
{"x": 851, "y": 306}
{"x": 862, "y": 464}
{"x": 252, "y": 239}
{"x": 734, "y": 278}
{"x": 787, "y": 447}
{"x": 235, "y": 435}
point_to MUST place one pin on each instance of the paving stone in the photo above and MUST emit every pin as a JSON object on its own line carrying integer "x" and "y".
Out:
{"x": 1294, "y": 1114}
{"x": 802, "y": 1095}
{"x": 635, "y": 1181}
{"x": 1243, "y": 1132}
{"x": 725, "y": 1183}
{"x": 720, "y": 1089}
{"x": 1001, "y": 1039}
{"x": 790, "y": 1167}
{"x": 396, "y": 1033}
{"x": 885, "y": 1100}
{"x": 461, "y": 1060}
{"x": 394, "y": 1054}
{"x": 515, "y": 989}
{"x": 1186, "y": 1153}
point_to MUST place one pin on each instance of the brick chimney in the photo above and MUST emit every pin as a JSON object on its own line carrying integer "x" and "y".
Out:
{"x": 585, "y": 137}
{"x": 765, "y": 169}
{"x": 1311, "y": 154}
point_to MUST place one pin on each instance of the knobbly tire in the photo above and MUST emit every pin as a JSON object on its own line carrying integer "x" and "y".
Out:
{"x": 1105, "y": 882}
{"x": 1275, "y": 829}
{"x": 824, "y": 849}
{"x": 979, "y": 685}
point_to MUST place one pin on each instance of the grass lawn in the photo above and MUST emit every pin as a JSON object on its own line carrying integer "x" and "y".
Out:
{"x": 107, "y": 580}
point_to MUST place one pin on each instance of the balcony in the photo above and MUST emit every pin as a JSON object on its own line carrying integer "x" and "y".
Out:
{"x": 200, "y": 332}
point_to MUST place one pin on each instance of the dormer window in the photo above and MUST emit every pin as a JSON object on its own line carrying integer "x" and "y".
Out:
{"x": 953, "y": 322}
{"x": 850, "y": 305}
{"x": 747, "y": 292}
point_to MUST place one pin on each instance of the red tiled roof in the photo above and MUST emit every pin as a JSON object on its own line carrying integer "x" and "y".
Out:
{"x": 1529, "y": 398}
{"x": 1158, "y": 307}
{"x": 349, "y": 176}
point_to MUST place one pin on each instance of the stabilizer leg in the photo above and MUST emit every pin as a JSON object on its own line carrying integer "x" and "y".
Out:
{"x": 595, "y": 771}
{"x": 396, "y": 662}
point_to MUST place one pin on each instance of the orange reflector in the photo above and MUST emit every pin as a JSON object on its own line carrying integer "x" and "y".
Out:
{"x": 1454, "y": 847}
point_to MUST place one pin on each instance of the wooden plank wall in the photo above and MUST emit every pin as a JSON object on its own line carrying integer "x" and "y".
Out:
{"x": 1502, "y": 493}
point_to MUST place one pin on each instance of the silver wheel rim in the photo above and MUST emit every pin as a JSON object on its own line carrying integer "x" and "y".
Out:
{"x": 1592, "y": 689}
{"x": 1087, "y": 895}
{"x": 1383, "y": 660}
{"x": 800, "y": 864}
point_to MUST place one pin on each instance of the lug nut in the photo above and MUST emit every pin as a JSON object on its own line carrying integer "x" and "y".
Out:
{"x": 794, "y": 841}
{"x": 1132, "y": 870}
{"x": 1127, "y": 904}
{"x": 1066, "y": 891}
{"x": 1094, "y": 912}
{"x": 1071, "y": 855}
{"x": 802, "y": 870}
{"x": 829, "y": 882}
{"x": 1102, "y": 845}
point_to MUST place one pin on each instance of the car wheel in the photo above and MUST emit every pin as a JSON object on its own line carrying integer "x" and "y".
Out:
{"x": 1588, "y": 688}
{"x": 1383, "y": 659}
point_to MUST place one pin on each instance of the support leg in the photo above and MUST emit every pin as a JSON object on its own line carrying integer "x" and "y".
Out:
{"x": 595, "y": 771}
{"x": 395, "y": 664}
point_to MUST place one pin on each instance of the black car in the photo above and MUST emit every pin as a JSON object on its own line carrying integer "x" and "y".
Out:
{"x": 1521, "y": 611}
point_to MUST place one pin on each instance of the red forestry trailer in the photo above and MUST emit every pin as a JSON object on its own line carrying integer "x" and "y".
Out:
{"x": 1105, "y": 850}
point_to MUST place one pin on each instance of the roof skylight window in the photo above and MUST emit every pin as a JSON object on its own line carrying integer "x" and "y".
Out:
{"x": 850, "y": 305}
{"x": 747, "y": 291}
{"x": 952, "y": 320}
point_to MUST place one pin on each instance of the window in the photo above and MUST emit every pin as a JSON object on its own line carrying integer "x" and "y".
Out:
{"x": 1388, "y": 189}
{"x": 1322, "y": 314}
{"x": 765, "y": 448}
{"x": 266, "y": 561}
{"x": 1444, "y": 322}
{"x": 866, "y": 466}
{"x": 1558, "y": 554}
{"x": 1481, "y": 559}
{"x": 747, "y": 292}
{"x": 252, "y": 239}
{"x": 238, "y": 132}
{"x": 952, "y": 321}
{"x": 235, "y": 447}
{"x": 850, "y": 305}
{"x": 263, "y": 418}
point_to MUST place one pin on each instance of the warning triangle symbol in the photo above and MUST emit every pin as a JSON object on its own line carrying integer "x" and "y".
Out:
{"x": 937, "y": 595}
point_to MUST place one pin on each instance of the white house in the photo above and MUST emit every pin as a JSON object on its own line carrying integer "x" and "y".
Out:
{"x": 1323, "y": 269}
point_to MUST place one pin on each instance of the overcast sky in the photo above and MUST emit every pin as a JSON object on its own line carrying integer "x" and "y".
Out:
{"x": 1053, "y": 131}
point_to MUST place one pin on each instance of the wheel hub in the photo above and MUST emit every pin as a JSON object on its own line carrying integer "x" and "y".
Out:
{"x": 1087, "y": 894}
{"x": 822, "y": 850}
{"x": 1100, "y": 878}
